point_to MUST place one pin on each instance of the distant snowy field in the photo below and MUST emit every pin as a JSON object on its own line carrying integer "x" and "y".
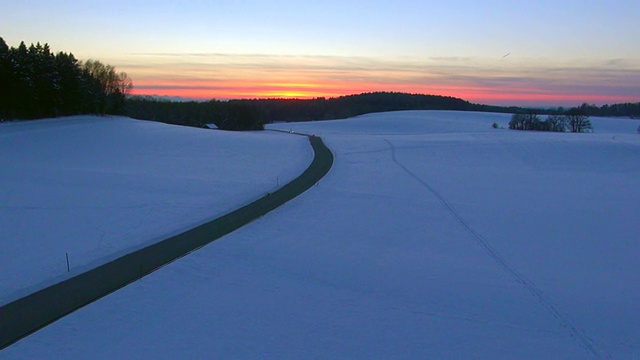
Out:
{"x": 98, "y": 187}
{"x": 434, "y": 236}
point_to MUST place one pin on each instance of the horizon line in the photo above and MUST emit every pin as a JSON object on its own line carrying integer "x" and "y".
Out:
{"x": 179, "y": 98}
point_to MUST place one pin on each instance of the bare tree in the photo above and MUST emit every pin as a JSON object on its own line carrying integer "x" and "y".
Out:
{"x": 528, "y": 121}
{"x": 105, "y": 74}
{"x": 556, "y": 123}
{"x": 110, "y": 87}
{"x": 124, "y": 83}
{"x": 517, "y": 122}
{"x": 578, "y": 121}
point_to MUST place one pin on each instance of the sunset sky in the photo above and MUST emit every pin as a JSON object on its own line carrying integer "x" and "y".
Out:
{"x": 529, "y": 53}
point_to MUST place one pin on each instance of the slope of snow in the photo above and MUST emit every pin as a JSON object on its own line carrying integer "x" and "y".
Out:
{"x": 95, "y": 188}
{"x": 434, "y": 236}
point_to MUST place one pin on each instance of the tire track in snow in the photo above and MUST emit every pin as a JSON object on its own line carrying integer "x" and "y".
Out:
{"x": 564, "y": 319}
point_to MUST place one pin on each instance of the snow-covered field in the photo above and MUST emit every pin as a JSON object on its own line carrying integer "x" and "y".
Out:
{"x": 434, "y": 236}
{"x": 98, "y": 187}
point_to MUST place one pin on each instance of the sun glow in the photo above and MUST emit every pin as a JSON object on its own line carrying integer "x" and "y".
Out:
{"x": 292, "y": 94}
{"x": 486, "y": 95}
{"x": 259, "y": 76}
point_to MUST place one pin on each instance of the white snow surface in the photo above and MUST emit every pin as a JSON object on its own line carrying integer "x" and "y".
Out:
{"x": 96, "y": 188}
{"x": 434, "y": 236}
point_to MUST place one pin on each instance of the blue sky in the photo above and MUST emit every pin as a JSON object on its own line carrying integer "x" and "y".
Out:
{"x": 560, "y": 52}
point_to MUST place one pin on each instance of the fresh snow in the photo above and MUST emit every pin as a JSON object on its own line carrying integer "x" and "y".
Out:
{"x": 96, "y": 188}
{"x": 433, "y": 236}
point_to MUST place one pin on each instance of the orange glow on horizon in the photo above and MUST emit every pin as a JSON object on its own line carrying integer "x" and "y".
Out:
{"x": 525, "y": 82}
{"x": 242, "y": 89}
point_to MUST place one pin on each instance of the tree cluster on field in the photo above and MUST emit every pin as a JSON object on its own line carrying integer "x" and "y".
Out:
{"x": 574, "y": 120}
{"x": 37, "y": 83}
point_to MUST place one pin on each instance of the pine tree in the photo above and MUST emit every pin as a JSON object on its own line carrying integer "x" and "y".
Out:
{"x": 5, "y": 79}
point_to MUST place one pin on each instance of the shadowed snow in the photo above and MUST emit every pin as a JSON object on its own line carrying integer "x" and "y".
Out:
{"x": 433, "y": 236}
{"x": 99, "y": 187}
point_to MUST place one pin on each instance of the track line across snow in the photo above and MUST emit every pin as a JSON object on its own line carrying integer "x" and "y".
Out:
{"x": 564, "y": 319}
{"x": 27, "y": 315}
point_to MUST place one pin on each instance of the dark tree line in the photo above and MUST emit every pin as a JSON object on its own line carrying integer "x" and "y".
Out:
{"x": 626, "y": 109}
{"x": 36, "y": 83}
{"x": 226, "y": 115}
{"x": 353, "y": 105}
{"x": 631, "y": 110}
{"x": 253, "y": 114}
{"x": 574, "y": 120}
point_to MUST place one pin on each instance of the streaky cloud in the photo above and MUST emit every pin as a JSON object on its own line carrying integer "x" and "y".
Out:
{"x": 479, "y": 79}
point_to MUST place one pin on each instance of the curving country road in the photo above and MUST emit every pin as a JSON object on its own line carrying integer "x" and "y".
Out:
{"x": 24, "y": 316}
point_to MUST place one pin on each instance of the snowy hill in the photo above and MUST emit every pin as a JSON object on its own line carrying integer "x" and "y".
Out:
{"x": 98, "y": 187}
{"x": 434, "y": 236}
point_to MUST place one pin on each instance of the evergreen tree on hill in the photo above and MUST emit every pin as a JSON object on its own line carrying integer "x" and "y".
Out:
{"x": 4, "y": 79}
{"x": 35, "y": 83}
